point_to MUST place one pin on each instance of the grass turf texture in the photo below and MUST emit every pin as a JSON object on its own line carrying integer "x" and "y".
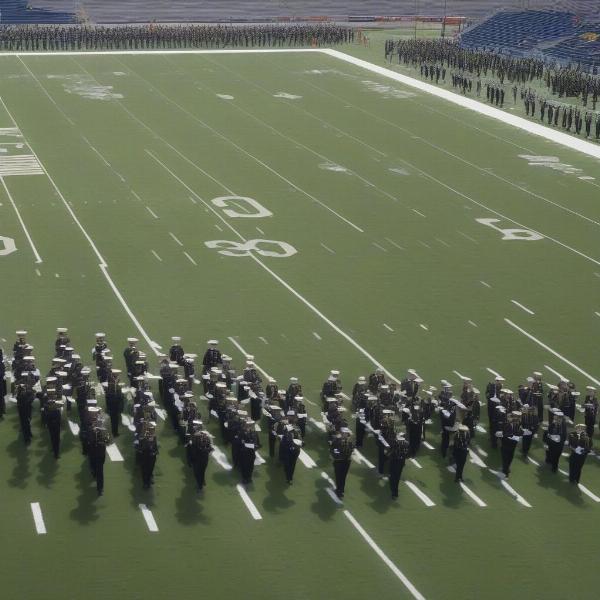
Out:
{"x": 99, "y": 152}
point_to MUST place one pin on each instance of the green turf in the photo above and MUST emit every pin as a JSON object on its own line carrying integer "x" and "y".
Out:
{"x": 272, "y": 149}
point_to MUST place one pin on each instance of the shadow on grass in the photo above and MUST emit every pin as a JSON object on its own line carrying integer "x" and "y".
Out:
{"x": 86, "y": 511}
{"x": 47, "y": 469}
{"x": 276, "y": 500}
{"x": 21, "y": 472}
{"x": 189, "y": 509}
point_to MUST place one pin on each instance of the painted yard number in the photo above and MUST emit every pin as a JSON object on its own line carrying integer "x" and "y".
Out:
{"x": 524, "y": 235}
{"x": 7, "y": 246}
{"x": 242, "y": 207}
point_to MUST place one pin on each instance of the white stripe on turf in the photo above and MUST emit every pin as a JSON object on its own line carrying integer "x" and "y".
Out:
{"x": 510, "y": 489}
{"x": 74, "y": 427}
{"x": 527, "y": 310}
{"x": 473, "y": 495}
{"x": 334, "y": 496}
{"x": 38, "y": 518}
{"x": 428, "y": 445}
{"x": 476, "y": 460}
{"x": 113, "y": 453}
{"x": 306, "y": 460}
{"x": 546, "y": 347}
{"x": 415, "y": 462}
{"x": 395, "y": 570}
{"x": 559, "y": 375}
{"x": 588, "y": 493}
{"x": 221, "y": 458}
{"x": 363, "y": 459}
{"x": 422, "y": 496}
{"x": 149, "y": 518}
{"x": 533, "y": 461}
{"x": 248, "y": 502}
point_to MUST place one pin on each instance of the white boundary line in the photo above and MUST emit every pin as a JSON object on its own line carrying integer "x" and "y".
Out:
{"x": 546, "y": 347}
{"x": 559, "y": 375}
{"x": 149, "y": 518}
{"x": 248, "y": 502}
{"x": 113, "y": 453}
{"x": 426, "y": 500}
{"x": 395, "y": 570}
{"x": 588, "y": 493}
{"x": 473, "y": 495}
{"x": 38, "y": 518}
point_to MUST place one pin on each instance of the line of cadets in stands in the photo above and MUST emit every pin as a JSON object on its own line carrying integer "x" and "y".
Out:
{"x": 395, "y": 415}
{"x": 473, "y": 69}
{"x": 128, "y": 37}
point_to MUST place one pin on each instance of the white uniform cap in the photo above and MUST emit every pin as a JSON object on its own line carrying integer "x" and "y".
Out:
{"x": 575, "y": 393}
{"x": 464, "y": 378}
{"x": 189, "y": 358}
{"x": 212, "y": 342}
{"x": 221, "y": 384}
{"x": 591, "y": 388}
{"x": 116, "y": 371}
{"x": 61, "y": 373}
{"x": 552, "y": 386}
{"x": 249, "y": 356}
{"x": 93, "y": 409}
{"x": 69, "y": 348}
{"x": 225, "y": 357}
{"x": 499, "y": 378}
{"x": 197, "y": 422}
{"x": 249, "y": 363}
{"x": 506, "y": 391}
{"x": 76, "y": 356}
{"x": 293, "y": 380}
{"x": 175, "y": 338}
{"x": 334, "y": 373}
{"x": 385, "y": 387}
{"x": 50, "y": 379}
{"x": 557, "y": 413}
{"x": 299, "y": 398}
{"x": 21, "y": 333}
{"x": 271, "y": 380}
{"x": 91, "y": 402}
{"x": 61, "y": 330}
{"x": 56, "y": 360}
{"x": 516, "y": 413}
{"x": 445, "y": 383}
{"x": 132, "y": 340}
{"x": 387, "y": 411}
{"x": 189, "y": 394}
{"x": 242, "y": 412}
{"x": 86, "y": 371}
{"x": 362, "y": 379}
{"x": 411, "y": 372}
{"x": 530, "y": 380}
{"x": 331, "y": 400}
{"x": 537, "y": 374}
{"x": 418, "y": 380}
{"x": 100, "y": 335}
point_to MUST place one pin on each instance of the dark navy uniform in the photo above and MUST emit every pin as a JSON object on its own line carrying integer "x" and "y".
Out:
{"x": 580, "y": 444}
{"x": 342, "y": 446}
{"x": 555, "y": 438}
{"x": 200, "y": 447}
{"x": 460, "y": 450}
{"x": 511, "y": 436}
{"x": 397, "y": 454}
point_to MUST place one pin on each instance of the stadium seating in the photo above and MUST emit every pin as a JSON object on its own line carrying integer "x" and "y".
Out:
{"x": 21, "y": 11}
{"x": 583, "y": 48}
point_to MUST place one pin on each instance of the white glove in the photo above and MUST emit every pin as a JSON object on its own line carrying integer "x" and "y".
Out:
{"x": 527, "y": 432}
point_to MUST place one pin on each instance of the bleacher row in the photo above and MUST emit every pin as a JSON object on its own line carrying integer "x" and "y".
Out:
{"x": 554, "y": 35}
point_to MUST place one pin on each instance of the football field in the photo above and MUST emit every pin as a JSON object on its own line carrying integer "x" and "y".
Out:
{"x": 319, "y": 216}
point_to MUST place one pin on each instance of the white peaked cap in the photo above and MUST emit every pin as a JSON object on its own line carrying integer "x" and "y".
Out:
{"x": 176, "y": 338}
{"x": 212, "y": 342}
{"x": 99, "y": 335}
{"x": 61, "y": 330}
{"x": 21, "y": 333}
{"x": 132, "y": 340}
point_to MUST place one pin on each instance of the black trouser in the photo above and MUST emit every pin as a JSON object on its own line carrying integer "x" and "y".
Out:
{"x": 25, "y": 420}
{"x": 199, "y": 465}
{"x": 302, "y": 427}
{"x": 255, "y": 411}
{"x": 97, "y": 467}
{"x": 576, "y": 462}
{"x": 492, "y": 432}
{"x": 590, "y": 426}
{"x": 360, "y": 433}
{"x": 415, "y": 433}
{"x": 340, "y": 468}
{"x": 289, "y": 464}
{"x": 147, "y": 462}
{"x": 272, "y": 440}
{"x": 54, "y": 431}
{"x": 247, "y": 457}
{"x": 460, "y": 457}
{"x": 236, "y": 451}
{"x": 115, "y": 417}
{"x": 445, "y": 442}
{"x": 381, "y": 457}
{"x": 396, "y": 466}
{"x": 508, "y": 453}
{"x": 553, "y": 454}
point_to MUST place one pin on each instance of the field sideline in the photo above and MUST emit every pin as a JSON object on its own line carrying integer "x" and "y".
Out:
{"x": 128, "y": 186}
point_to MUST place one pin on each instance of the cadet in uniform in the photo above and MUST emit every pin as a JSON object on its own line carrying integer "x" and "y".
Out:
{"x": 556, "y": 436}
{"x": 148, "y": 451}
{"x": 176, "y": 351}
{"x": 342, "y": 446}
{"x": 131, "y": 355}
{"x": 580, "y": 444}
{"x": 212, "y": 356}
{"x": 248, "y": 447}
{"x": 460, "y": 450}
{"x": 25, "y": 397}
{"x": 52, "y": 418}
{"x": 511, "y": 435}
{"x": 529, "y": 424}
{"x": 200, "y": 447}
{"x": 590, "y": 407}
{"x": 397, "y": 453}
{"x": 289, "y": 449}
{"x": 360, "y": 408}
{"x": 99, "y": 439}
{"x": 115, "y": 402}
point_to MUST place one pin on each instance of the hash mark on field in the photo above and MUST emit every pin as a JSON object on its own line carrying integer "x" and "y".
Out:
{"x": 468, "y": 237}
{"x": 559, "y": 375}
{"x": 316, "y": 335}
{"x": 424, "y": 244}
{"x": 420, "y": 495}
{"x": 156, "y": 255}
{"x": 327, "y": 248}
{"x": 443, "y": 242}
{"x": 306, "y": 460}
{"x": 527, "y": 310}
{"x": 175, "y": 238}
{"x": 394, "y": 243}
{"x": 511, "y": 490}
{"x": 415, "y": 462}
{"x": 494, "y": 373}
{"x": 473, "y": 496}
{"x": 476, "y": 460}
{"x": 487, "y": 285}
{"x": 57, "y": 275}
{"x": 363, "y": 459}
{"x": 193, "y": 200}
{"x": 472, "y": 323}
{"x": 248, "y": 502}
{"x": 423, "y": 327}
{"x": 388, "y": 327}
{"x": 37, "y": 271}
{"x": 219, "y": 228}
{"x": 262, "y": 339}
{"x": 428, "y": 445}
{"x": 481, "y": 450}
{"x": 191, "y": 259}
{"x": 260, "y": 231}
{"x": 596, "y": 313}
{"x": 378, "y": 246}
{"x": 38, "y": 518}
{"x": 419, "y": 213}
{"x": 533, "y": 461}
{"x": 113, "y": 453}
{"x": 149, "y": 518}
{"x": 136, "y": 195}
{"x": 151, "y": 212}
{"x": 588, "y": 493}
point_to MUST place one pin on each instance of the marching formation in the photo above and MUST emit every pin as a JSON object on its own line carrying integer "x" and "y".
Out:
{"x": 398, "y": 416}
{"x": 153, "y": 36}
{"x": 471, "y": 70}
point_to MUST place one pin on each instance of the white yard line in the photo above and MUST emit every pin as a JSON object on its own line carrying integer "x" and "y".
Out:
{"x": 113, "y": 453}
{"x": 218, "y": 227}
{"x": 175, "y": 238}
{"x": 151, "y": 212}
{"x": 191, "y": 259}
{"x": 527, "y": 310}
{"x": 533, "y": 461}
{"x": 415, "y": 462}
{"x": 135, "y": 195}
{"x": 162, "y": 413}
{"x": 480, "y": 429}
{"x": 467, "y": 237}
{"x": 472, "y": 323}
{"x": 388, "y": 327}
{"x": 422, "y": 326}
{"x": 563, "y": 472}
{"x": 476, "y": 460}
{"x": 379, "y": 246}
{"x": 38, "y": 518}
{"x": 472, "y": 495}
{"x": 559, "y": 375}
{"x": 74, "y": 427}
{"x": 260, "y": 231}
{"x": 422, "y": 497}
{"x": 306, "y": 460}
{"x": 419, "y": 213}
{"x": 156, "y": 256}
{"x": 388, "y": 562}
{"x": 546, "y": 347}
{"x": 510, "y": 489}
{"x": 588, "y": 493}
{"x": 481, "y": 451}
{"x": 443, "y": 242}
{"x": 239, "y": 347}
{"x": 38, "y": 258}
{"x": 221, "y": 458}
{"x": 458, "y": 374}
{"x": 316, "y": 335}
{"x": 428, "y": 445}
{"x": 424, "y": 244}
{"x": 262, "y": 339}
{"x": 317, "y": 424}
{"x": 494, "y": 373}
{"x": 284, "y": 283}
{"x": 248, "y": 502}
{"x": 487, "y": 285}
{"x": 363, "y": 459}
{"x": 149, "y": 518}
{"x": 327, "y": 248}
